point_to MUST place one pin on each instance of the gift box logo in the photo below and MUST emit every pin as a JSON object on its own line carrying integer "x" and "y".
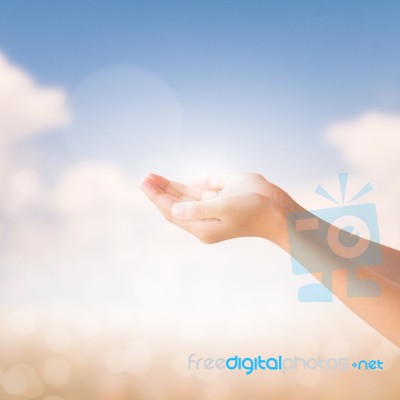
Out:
{"x": 334, "y": 249}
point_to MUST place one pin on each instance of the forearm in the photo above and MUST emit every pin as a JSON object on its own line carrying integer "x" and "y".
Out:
{"x": 379, "y": 309}
{"x": 381, "y": 312}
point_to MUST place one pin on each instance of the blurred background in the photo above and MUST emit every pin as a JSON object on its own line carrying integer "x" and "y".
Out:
{"x": 100, "y": 298}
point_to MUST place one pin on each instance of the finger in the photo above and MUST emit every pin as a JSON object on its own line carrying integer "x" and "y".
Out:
{"x": 207, "y": 230}
{"x": 154, "y": 187}
{"x": 163, "y": 201}
{"x": 209, "y": 194}
{"x": 198, "y": 210}
{"x": 149, "y": 189}
{"x": 176, "y": 189}
{"x": 211, "y": 182}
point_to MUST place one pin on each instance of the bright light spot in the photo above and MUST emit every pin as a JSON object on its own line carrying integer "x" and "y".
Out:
{"x": 204, "y": 163}
{"x": 33, "y": 385}
{"x": 58, "y": 340}
{"x": 115, "y": 361}
{"x": 56, "y": 371}
{"x": 14, "y": 382}
{"x": 124, "y": 100}
{"x": 138, "y": 355}
{"x": 180, "y": 365}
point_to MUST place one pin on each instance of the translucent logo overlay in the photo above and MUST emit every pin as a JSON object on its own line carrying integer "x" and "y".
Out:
{"x": 344, "y": 237}
{"x": 280, "y": 363}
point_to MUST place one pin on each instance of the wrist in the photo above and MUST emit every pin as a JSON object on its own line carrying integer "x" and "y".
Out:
{"x": 278, "y": 208}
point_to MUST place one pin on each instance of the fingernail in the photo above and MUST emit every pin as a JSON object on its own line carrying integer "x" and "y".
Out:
{"x": 177, "y": 210}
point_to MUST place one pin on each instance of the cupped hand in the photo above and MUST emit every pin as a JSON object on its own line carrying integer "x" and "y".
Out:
{"x": 220, "y": 207}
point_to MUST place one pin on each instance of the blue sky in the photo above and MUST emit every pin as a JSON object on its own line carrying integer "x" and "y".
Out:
{"x": 258, "y": 80}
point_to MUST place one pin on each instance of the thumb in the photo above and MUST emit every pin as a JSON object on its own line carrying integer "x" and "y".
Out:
{"x": 192, "y": 210}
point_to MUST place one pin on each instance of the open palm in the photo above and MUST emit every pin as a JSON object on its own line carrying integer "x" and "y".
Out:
{"x": 216, "y": 207}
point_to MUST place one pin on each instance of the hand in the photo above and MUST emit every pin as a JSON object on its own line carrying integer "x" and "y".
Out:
{"x": 227, "y": 206}
{"x": 221, "y": 207}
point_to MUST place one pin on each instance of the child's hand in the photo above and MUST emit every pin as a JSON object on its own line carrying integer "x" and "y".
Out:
{"x": 221, "y": 207}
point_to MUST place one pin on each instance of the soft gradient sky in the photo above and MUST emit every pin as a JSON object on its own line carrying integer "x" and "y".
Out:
{"x": 257, "y": 81}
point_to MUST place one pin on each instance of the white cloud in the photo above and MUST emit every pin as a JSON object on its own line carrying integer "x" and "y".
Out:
{"x": 370, "y": 144}
{"x": 26, "y": 108}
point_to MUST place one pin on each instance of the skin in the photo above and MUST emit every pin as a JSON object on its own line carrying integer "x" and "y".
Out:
{"x": 221, "y": 207}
